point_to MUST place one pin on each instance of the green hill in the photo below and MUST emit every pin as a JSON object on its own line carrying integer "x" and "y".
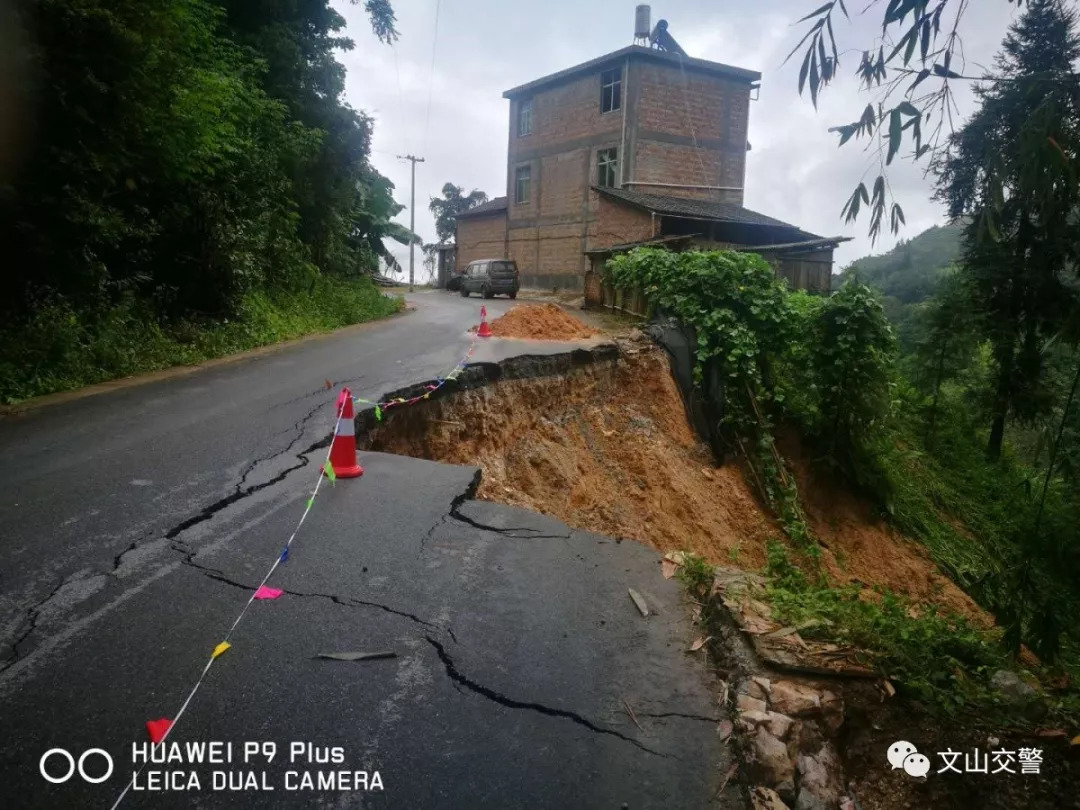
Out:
{"x": 910, "y": 271}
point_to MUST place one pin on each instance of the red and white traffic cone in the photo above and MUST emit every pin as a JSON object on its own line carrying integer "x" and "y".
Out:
{"x": 484, "y": 330}
{"x": 343, "y": 448}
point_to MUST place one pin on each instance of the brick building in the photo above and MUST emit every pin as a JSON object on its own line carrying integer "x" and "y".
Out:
{"x": 641, "y": 146}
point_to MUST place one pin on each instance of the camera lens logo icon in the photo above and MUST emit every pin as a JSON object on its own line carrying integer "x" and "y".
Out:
{"x": 904, "y": 755}
{"x": 66, "y": 757}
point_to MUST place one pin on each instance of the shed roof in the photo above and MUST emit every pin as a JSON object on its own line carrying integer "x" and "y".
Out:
{"x": 493, "y": 206}
{"x": 806, "y": 244}
{"x": 638, "y": 51}
{"x": 658, "y": 241}
{"x": 695, "y": 209}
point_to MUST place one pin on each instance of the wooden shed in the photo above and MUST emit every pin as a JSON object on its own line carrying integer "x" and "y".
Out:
{"x": 804, "y": 259}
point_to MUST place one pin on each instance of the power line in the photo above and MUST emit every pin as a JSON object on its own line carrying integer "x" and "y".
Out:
{"x": 431, "y": 77}
{"x": 690, "y": 123}
{"x": 400, "y": 99}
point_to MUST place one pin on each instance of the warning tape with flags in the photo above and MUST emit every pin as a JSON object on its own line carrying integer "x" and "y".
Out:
{"x": 158, "y": 730}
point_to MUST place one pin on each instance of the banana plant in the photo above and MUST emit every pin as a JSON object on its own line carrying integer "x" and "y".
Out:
{"x": 372, "y": 224}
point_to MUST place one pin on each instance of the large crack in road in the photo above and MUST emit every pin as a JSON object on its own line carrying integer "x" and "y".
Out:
{"x": 462, "y": 680}
{"x": 476, "y": 375}
{"x": 345, "y": 601}
{"x": 33, "y": 613}
{"x": 210, "y": 511}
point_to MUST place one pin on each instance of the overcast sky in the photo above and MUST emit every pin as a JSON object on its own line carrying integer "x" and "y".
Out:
{"x": 795, "y": 172}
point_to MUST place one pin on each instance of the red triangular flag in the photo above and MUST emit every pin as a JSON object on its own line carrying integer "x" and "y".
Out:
{"x": 157, "y": 729}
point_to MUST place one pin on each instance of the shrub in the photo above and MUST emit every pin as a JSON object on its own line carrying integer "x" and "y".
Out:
{"x": 60, "y": 348}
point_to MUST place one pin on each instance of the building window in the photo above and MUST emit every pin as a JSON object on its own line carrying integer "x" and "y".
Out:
{"x": 611, "y": 90}
{"x": 522, "y": 182}
{"x": 607, "y": 168}
{"x": 525, "y": 118}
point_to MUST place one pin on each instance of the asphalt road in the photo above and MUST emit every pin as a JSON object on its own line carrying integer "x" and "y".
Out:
{"x": 134, "y": 524}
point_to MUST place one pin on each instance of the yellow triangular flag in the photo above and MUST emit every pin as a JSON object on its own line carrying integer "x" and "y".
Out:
{"x": 220, "y": 648}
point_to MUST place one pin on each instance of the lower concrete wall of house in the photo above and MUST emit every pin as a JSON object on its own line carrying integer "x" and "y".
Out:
{"x": 612, "y": 224}
{"x": 549, "y": 255}
{"x": 482, "y": 237}
{"x": 594, "y": 282}
{"x": 616, "y": 223}
{"x": 550, "y": 251}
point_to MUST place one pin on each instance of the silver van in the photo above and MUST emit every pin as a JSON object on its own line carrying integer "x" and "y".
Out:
{"x": 490, "y": 277}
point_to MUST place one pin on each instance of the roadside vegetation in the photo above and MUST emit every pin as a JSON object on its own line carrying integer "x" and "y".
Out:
{"x": 967, "y": 435}
{"x": 60, "y": 348}
{"x": 190, "y": 183}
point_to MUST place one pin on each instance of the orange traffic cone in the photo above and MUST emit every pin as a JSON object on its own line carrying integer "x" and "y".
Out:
{"x": 343, "y": 448}
{"x": 484, "y": 330}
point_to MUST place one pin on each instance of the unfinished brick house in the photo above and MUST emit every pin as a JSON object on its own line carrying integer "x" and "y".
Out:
{"x": 642, "y": 146}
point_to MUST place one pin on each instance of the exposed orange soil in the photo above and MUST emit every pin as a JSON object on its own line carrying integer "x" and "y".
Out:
{"x": 609, "y": 449}
{"x": 861, "y": 547}
{"x": 606, "y": 450}
{"x": 540, "y": 322}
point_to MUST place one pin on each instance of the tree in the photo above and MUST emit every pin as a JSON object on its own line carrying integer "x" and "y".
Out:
{"x": 298, "y": 43}
{"x": 186, "y": 153}
{"x": 372, "y": 223}
{"x": 852, "y": 360}
{"x": 948, "y": 343}
{"x": 908, "y": 69}
{"x": 454, "y": 201}
{"x": 1010, "y": 169}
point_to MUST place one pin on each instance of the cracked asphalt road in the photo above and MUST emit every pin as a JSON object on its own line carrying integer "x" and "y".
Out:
{"x": 136, "y": 523}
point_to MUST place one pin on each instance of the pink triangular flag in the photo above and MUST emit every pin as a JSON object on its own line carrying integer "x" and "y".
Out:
{"x": 157, "y": 729}
{"x": 266, "y": 592}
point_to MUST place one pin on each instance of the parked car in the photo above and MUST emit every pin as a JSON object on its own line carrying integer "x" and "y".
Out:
{"x": 490, "y": 277}
{"x": 453, "y": 284}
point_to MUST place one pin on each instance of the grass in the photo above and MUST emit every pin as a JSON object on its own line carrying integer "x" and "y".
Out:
{"x": 62, "y": 349}
{"x": 939, "y": 659}
{"x": 936, "y": 657}
{"x": 976, "y": 518}
{"x": 697, "y": 575}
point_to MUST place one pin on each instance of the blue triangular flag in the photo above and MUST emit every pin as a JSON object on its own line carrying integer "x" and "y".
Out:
{"x": 285, "y": 554}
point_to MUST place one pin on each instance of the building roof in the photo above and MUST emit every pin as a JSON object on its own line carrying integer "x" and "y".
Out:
{"x": 694, "y": 209}
{"x": 794, "y": 238}
{"x": 659, "y": 241}
{"x": 493, "y": 206}
{"x": 807, "y": 244}
{"x": 684, "y": 62}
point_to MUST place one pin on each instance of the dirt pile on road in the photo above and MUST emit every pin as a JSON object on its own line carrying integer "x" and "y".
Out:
{"x": 540, "y": 322}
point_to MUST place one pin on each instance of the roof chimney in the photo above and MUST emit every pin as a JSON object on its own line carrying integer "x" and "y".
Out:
{"x": 642, "y": 24}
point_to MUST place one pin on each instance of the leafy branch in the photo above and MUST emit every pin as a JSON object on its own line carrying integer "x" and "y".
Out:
{"x": 910, "y": 67}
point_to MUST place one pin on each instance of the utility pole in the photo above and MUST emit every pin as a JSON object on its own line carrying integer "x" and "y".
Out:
{"x": 412, "y": 211}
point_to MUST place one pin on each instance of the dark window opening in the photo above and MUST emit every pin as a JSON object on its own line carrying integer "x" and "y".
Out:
{"x": 607, "y": 168}
{"x": 611, "y": 90}
{"x": 525, "y": 118}
{"x": 522, "y": 182}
